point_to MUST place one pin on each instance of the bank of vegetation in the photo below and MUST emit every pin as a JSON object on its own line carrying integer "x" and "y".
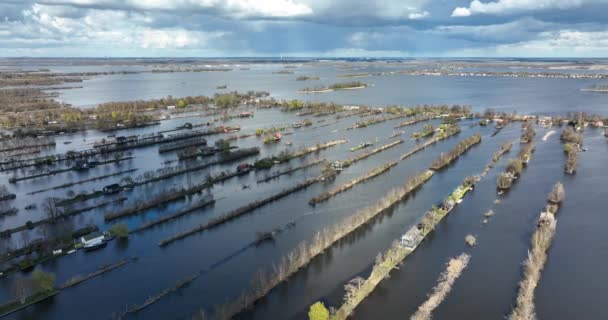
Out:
{"x": 515, "y": 167}
{"x": 446, "y": 158}
{"x": 413, "y": 121}
{"x": 537, "y": 256}
{"x": 426, "y": 131}
{"x": 290, "y": 170}
{"x": 286, "y": 155}
{"x": 506, "y": 147}
{"x": 15, "y": 179}
{"x": 71, "y": 184}
{"x": 528, "y": 132}
{"x": 234, "y": 214}
{"x": 307, "y": 78}
{"x": 399, "y": 250}
{"x": 367, "y": 154}
{"x": 444, "y": 285}
{"x": 306, "y": 251}
{"x": 445, "y": 131}
{"x": 371, "y": 174}
{"x": 573, "y": 142}
{"x": 200, "y": 204}
{"x": 336, "y": 86}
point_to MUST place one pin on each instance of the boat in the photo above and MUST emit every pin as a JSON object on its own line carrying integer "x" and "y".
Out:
{"x": 95, "y": 246}
{"x": 361, "y": 146}
{"x": 396, "y": 133}
{"x": 337, "y": 165}
{"x": 94, "y": 240}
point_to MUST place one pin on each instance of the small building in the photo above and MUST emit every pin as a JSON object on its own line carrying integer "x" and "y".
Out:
{"x": 243, "y": 167}
{"x": 93, "y": 239}
{"x": 112, "y": 188}
{"x": 412, "y": 238}
{"x": 170, "y": 107}
{"x": 82, "y": 165}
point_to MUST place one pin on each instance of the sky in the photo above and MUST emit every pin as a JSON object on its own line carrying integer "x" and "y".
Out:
{"x": 304, "y": 28}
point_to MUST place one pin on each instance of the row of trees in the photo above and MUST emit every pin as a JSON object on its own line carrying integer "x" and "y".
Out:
{"x": 515, "y": 166}
{"x": 537, "y": 256}
{"x": 572, "y": 142}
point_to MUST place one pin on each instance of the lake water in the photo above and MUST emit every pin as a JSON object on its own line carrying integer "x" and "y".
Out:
{"x": 572, "y": 283}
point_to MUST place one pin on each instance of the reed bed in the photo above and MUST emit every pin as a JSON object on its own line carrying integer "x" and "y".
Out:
{"x": 426, "y": 131}
{"x": 449, "y": 131}
{"x": 14, "y": 164}
{"x": 371, "y": 174}
{"x": 170, "y": 196}
{"x": 73, "y": 281}
{"x": 364, "y": 155}
{"x": 290, "y": 170}
{"x": 398, "y": 251}
{"x": 16, "y": 179}
{"x": 70, "y": 184}
{"x": 506, "y": 147}
{"x": 200, "y": 205}
{"x": 170, "y": 172}
{"x": 156, "y": 298}
{"x": 196, "y": 142}
{"x": 572, "y": 144}
{"x": 537, "y": 257}
{"x": 306, "y": 251}
{"x": 446, "y": 158}
{"x": 412, "y": 122}
{"x": 234, "y": 214}
{"x": 444, "y": 285}
{"x": 515, "y": 166}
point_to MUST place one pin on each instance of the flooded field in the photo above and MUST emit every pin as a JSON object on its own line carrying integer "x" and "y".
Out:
{"x": 225, "y": 244}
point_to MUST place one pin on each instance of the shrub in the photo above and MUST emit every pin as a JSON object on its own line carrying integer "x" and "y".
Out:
{"x": 470, "y": 240}
{"x": 265, "y": 163}
{"x": 504, "y": 181}
{"x": 569, "y": 135}
{"x": 43, "y": 282}
{"x": 119, "y": 230}
{"x": 318, "y": 311}
{"x": 557, "y": 194}
{"x": 515, "y": 166}
{"x": 222, "y": 144}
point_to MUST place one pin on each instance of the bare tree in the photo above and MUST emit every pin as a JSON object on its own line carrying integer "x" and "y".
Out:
{"x": 22, "y": 288}
{"x": 49, "y": 206}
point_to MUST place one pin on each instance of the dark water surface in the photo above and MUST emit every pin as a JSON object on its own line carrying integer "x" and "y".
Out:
{"x": 571, "y": 286}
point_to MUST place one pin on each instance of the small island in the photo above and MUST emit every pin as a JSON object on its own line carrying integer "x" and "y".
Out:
{"x": 337, "y": 86}
{"x": 306, "y": 78}
{"x": 596, "y": 88}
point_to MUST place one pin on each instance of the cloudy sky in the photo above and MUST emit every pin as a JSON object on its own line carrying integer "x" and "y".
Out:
{"x": 357, "y": 28}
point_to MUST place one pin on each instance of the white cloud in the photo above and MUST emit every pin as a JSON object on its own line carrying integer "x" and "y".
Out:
{"x": 325, "y": 11}
{"x": 418, "y": 15}
{"x": 461, "y": 12}
{"x": 502, "y": 7}
{"x": 109, "y": 29}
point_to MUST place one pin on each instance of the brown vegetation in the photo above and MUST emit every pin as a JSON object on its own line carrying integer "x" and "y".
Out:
{"x": 444, "y": 285}
{"x": 306, "y": 251}
{"x": 447, "y": 158}
{"x": 537, "y": 257}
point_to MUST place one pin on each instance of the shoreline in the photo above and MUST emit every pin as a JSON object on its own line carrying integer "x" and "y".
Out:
{"x": 331, "y": 90}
